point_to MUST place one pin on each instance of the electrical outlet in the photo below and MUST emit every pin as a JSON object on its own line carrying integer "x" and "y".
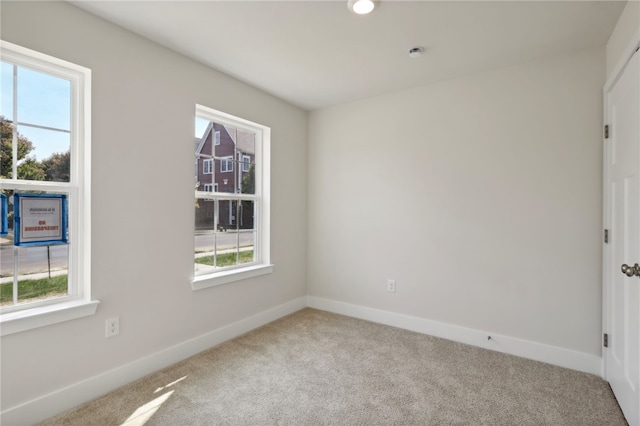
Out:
{"x": 112, "y": 327}
{"x": 391, "y": 286}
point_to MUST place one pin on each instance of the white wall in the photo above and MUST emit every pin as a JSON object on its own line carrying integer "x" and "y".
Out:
{"x": 626, "y": 32}
{"x": 144, "y": 100}
{"x": 481, "y": 196}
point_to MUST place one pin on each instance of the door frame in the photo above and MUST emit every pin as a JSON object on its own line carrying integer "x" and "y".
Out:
{"x": 606, "y": 220}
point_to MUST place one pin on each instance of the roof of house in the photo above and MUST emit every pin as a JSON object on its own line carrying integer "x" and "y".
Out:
{"x": 244, "y": 141}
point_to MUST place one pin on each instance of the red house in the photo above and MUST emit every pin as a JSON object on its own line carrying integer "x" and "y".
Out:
{"x": 224, "y": 162}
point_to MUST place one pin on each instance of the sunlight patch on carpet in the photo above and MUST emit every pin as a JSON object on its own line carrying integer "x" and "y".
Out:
{"x": 145, "y": 412}
{"x": 170, "y": 384}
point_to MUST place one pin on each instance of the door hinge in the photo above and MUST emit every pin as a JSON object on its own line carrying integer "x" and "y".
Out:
{"x": 606, "y": 131}
{"x": 605, "y": 340}
{"x": 606, "y": 236}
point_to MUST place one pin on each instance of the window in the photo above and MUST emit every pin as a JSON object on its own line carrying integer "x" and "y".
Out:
{"x": 217, "y": 137}
{"x": 226, "y": 164}
{"x": 45, "y": 169}
{"x": 207, "y": 166}
{"x": 231, "y": 235}
{"x": 246, "y": 163}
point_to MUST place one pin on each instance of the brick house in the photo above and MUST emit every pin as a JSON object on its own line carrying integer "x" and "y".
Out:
{"x": 223, "y": 163}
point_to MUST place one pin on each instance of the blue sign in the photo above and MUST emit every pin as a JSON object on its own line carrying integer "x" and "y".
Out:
{"x": 4, "y": 209}
{"x": 39, "y": 219}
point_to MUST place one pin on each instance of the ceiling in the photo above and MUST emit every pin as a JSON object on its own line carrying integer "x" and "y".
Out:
{"x": 317, "y": 53}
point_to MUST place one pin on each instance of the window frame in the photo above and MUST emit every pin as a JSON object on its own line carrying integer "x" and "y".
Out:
{"x": 207, "y": 164}
{"x": 78, "y": 302}
{"x": 216, "y": 138}
{"x": 213, "y": 187}
{"x": 261, "y": 199}
{"x": 246, "y": 163}
{"x": 226, "y": 164}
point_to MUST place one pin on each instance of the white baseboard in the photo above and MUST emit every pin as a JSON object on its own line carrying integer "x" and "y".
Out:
{"x": 61, "y": 400}
{"x": 567, "y": 358}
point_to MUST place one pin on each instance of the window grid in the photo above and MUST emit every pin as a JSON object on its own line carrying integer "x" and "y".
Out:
{"x": 75, "y": 186}
{"x": 226, "y": 164}
{"x": 207, "y": 166}
{"x": 233, "y": 211}
{"x": 246, "y": 163}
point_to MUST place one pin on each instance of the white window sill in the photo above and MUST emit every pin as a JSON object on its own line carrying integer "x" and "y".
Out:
{"x": 29, "y": 319}
{"x": 224, "y": 277}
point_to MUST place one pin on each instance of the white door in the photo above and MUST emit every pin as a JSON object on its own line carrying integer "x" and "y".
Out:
{"x": 622, "y": 216}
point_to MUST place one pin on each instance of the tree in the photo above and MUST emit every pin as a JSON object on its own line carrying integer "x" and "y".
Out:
{"x": 249, "y": 181}
{"x": 57, "y": 167}
{"x": 248, "y": 187}
{"x": 29, "y": 168}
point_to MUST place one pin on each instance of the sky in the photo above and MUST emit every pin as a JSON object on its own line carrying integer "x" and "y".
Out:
{"x": 201, "y": 126}
{"x": 43, "y": 100}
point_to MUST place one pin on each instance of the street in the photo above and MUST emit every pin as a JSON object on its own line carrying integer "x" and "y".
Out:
{"x": 33, "y": 259}
{"x": 36, "y": 259}
{"x": 225, "y": 240}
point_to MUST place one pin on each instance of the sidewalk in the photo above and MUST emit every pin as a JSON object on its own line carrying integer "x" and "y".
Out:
{"x": 36, "y": 276}
{"x": 231, "y": 250}
{"x": 41, "y": 275}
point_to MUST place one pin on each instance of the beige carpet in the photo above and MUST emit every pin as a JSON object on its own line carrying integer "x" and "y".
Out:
{"x": 317, "y": 368}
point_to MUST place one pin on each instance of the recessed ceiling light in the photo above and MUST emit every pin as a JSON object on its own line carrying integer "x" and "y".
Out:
{"x": 361, "y": 7}
{"x": 415, "y": 52}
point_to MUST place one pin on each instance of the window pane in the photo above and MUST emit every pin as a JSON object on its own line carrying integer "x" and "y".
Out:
{"x": 247, "y": 180}
{"x": 227, "y": 215}
{"x": 205, "y": 215}
{"x": 246, "y": 214}
{"x": 245, "y": 157}
{"x": 6, "y": 242}
{"x": 42, "y": 273}
{"x": 227, "y": 249}
{"x": 201, "y": 126}
{"x": 247, "y": 233}
{"x": 204, "y": 164}
{"x": 205, "y": 238}
{"x": 6, "y": 87}
{"x": 247, "y": 251}
{"x": 43, "y": 100}
{"x": 238, "y": 148}
{"x": 205, "y": 248}
{"x": 224, "y": 149}
{"x": 6, "y": 147}
{"x": 48, "y": 158}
